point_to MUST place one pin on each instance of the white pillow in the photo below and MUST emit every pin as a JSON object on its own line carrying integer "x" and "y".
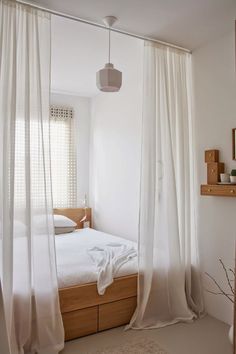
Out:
{"x": 63, "y": 221}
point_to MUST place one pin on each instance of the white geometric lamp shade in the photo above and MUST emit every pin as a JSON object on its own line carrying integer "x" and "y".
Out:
{"x": 109, "y": 79}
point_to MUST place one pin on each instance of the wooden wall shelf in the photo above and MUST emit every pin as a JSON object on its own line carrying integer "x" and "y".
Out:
{"x": 218, "y": 190}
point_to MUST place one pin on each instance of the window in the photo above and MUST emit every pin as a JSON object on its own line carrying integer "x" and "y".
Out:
{"x": 62, "y": 161}
{"x": 31, "y": 140}
{"x": 63, "y": 158}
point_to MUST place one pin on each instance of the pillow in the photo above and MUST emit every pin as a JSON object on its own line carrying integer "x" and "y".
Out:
{"x": 63, "y": 221}
{"x": 64, "y": 230}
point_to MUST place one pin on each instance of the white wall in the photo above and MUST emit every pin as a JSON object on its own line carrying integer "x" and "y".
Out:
{"x": 215, "y": 93}
{"x": 81, "y": 106}
{"x": 115, "y": 146}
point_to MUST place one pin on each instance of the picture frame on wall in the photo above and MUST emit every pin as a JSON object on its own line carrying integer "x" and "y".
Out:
{"x": 234, "y": 143}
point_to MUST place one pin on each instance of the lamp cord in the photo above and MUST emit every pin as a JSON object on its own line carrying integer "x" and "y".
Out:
{"x": 109, "y": 50}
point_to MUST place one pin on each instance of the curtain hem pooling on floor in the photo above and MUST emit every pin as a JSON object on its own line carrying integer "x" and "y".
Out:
{"x": 27, "y": 254}
{"x": 169, "y": 288}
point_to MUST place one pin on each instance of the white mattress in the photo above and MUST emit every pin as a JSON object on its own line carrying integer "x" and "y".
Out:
{"x": 75, "y": 266}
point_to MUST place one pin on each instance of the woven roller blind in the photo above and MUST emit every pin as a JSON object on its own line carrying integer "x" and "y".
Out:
{"x": 63, "y": 157}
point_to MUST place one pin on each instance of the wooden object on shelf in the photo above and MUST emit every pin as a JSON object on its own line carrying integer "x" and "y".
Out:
{"x": 220, "y": 190}
{"x": 212, "y": 156}
{"x": 214, "y": 169}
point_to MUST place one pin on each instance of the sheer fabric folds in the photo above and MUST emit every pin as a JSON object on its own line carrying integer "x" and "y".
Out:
{"x": 27, "y": 258}
{"x": 169, "y": 285}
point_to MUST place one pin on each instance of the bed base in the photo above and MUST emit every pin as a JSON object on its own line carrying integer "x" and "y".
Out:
{"x": 85, "y": 312}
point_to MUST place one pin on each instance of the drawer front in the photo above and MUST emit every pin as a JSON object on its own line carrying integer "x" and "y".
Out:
{"x": 219, "y": 190}
{"x": 116, "y": 313}
{"x": 80, "y": 323}
{"x": 84, "y": 296}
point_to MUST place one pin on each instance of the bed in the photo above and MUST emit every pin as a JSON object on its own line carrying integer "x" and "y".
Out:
{"x": 83, "y": 310}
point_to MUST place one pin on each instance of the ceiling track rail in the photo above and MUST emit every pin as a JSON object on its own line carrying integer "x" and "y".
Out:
{"x": 95, "y": 24}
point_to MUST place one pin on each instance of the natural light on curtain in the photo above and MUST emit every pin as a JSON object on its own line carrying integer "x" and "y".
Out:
{"x": 63, "y": 157}
{"x": 27, "y": 257}
{"x": 169, "y": 284}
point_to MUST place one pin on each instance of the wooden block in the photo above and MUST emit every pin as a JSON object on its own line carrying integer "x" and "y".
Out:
{"x": 116, "y": 313}
{"x": 80, "y": 323}
{"x": 212, "y": 156}
{"x": 214, "y": 169}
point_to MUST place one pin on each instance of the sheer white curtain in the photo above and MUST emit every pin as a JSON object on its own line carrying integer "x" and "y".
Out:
{"x": 28, "y": 267}
{"x": 169, "y": 284}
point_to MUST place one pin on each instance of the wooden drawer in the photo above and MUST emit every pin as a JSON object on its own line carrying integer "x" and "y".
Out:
{"x": 116, "y": 313}
{"x": 219, "y": 190}
{"x": 80, "y": 323}
{"x": 86, "y": 295}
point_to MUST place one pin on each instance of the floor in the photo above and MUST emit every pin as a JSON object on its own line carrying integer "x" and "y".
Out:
{"x": 205, "y": 336}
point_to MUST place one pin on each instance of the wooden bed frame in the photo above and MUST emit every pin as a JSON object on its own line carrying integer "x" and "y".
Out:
{"x": 83, "y": 310}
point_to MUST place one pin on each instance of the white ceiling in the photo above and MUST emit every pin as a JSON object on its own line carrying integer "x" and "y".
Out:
{"x": 189, "y": 23}
{"x": 79, "y": 50}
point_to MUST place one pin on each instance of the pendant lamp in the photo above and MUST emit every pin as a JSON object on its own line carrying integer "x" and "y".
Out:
{"x": 109, "y": 79}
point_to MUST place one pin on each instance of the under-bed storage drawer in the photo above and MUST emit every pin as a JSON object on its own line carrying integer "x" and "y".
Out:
{"x": 80, "y": 323}
{"x": 116, "y": 313}
{"x": 86, "y": 295}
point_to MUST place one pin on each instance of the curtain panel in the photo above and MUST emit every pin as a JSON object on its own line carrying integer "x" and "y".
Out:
{"x": 169, "y": 287}
{"x": 27, "y": 254}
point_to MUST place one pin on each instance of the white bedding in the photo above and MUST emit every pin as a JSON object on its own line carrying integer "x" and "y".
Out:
{"x": 75, "y": 265}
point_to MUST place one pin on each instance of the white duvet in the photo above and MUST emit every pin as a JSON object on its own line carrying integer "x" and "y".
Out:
{"x": 88, "y": 255}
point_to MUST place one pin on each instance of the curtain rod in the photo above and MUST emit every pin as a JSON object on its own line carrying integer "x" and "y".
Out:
{"x": 95, "y": 24}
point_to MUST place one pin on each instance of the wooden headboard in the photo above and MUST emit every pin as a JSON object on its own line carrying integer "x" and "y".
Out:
{"x": 75, "y": 214}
